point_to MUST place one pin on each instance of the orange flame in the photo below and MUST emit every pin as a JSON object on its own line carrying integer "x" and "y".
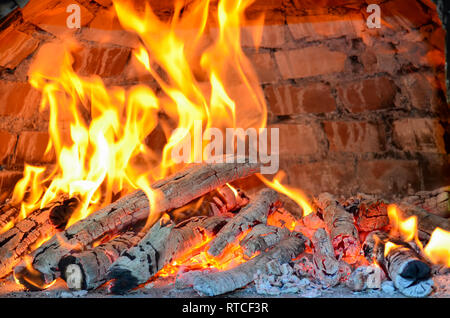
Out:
{"x": 438, "y": 247}
{"x": 97, "y": 133}
{"x": 295, "y": 194}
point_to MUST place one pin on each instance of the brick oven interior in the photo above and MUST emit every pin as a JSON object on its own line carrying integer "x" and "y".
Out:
{"x": 359, "y": 109}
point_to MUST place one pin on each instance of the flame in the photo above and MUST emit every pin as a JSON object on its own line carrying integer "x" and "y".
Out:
{"x": 389, "y": 246}
{"x": 407, "y": 229}
{"x": 236, "y": 194}
{"x": 295, "y": 194}
{"x": 97, "y": 133}
{"x": 438, "y": 247}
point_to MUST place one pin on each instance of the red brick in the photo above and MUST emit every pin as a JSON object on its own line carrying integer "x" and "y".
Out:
{"x": 354, "y": 137}
{"x": 297, "y": 140}
{"x": 311, "y": 61}
{"x": 51, "y": 15}
{"x": 7, "y": 143}
{"x": 380, "y": 58}
{"x": 407, "y": 14}
{"x": 18, "y": 99}
{"x": 388, "y": 176}
{"x": 370, "y": 94}
{"x": 8, "y": 180}
{"x": 319, "y": 27}
{"x": 15, "y": 47}
{"x": 289, "y": 99}
{"x": 272, "y": 36}
{"x": 101, "y": 60}
{"x": 106, "y": 28}
{"x": 422, "y": 91}
{"x": 419, "y": 134}
{"x": 31, "y": 148}
{"x": 324, "y": 176}
{"x": 265, "y": 67}
{"x": 105, "y": 3}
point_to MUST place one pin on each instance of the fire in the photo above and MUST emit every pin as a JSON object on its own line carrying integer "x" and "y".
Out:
{"x": 295, "y": 194}
{"x": 407, "y": 229}
{"x": 438, "y": 247}
{"x": 97, "y": 133}
{"x": 389, "y": 246}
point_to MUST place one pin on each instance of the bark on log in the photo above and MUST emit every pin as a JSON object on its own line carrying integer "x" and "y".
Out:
{"x": 426, "y": 222}
{"x": 8, "y": 213}
{"x": 410, "y": 273}
{"x": 261, "y": 237}
{"x": 219, "y": 283}
{"x": 254, "y": 213}
{"x": 173, "y": 192}
{"x": 435, "y": 202}
{"x": 325, "y": 262}
{"x": 340, "y": 224}
{"x": 163, "y": 244}
{"x": 87, "y": 270}
{"x": 25, "y": 234}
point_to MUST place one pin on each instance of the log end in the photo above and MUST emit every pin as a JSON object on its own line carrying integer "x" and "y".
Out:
{"x": 414, "y": 279}
{"x": 122, "y": 280}
{"x": 74, "y": 277}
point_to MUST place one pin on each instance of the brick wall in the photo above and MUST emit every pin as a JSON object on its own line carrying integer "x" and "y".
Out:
{"x": 358, "y": 109}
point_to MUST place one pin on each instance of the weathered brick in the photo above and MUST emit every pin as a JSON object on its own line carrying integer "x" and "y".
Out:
{"x": 422, "y": 91}
{"x": 15, "y": 47}
{"x": 101, "y": 60}
{"x": 435, "y": 170}
{"x": 407, "y": 14}
{"x": 31, "y": 148}
{"x": 419, "y": 134}
{"x": 104, "y": 3}
{"x": 272, "y": 36}
{"x": 8, "y": 179}
{"x": 297, "y": 140}
{"x": 265, "y": 67}
{"x": 388, "y": 176}
{"x": 354, "y": 137}
{"x": 52, "y": 15}
{"x": 7, "y": 143}
{"x": 380, "y": 58}
{"x": 18, "y": 99}
{"x": 289, "y": 99}
{"x": 370, "y": 94}
{"x": 324, "y": 176}
{"x": 311, "y": 61}
{"x": 106, "y": 28}
{"x": 319, "y": 27}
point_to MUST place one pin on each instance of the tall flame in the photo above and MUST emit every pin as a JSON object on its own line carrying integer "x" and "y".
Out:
{"x": 98, "y": 133}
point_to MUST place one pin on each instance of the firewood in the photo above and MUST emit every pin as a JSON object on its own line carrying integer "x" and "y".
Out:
{"x": 325, "y": 262}
{"x": 173, "y": 192}
{"x": 254, "y": 213}
{"x": 340, "y": 224}
{"x": 87, "y": 270}
{"x": 371, "y": 215}
{"x": 163, "y": 244}
{"x": 365, "y": 277}
{"x": 410, "y": 273}
{"x": 8, "y": 213}
{"x": 261, "y": 237}
{"x": 426, "y": 222}
{"x": 219, "y": 283}
{"x": 435, "y": 202}
{"x": 26, "y": 233}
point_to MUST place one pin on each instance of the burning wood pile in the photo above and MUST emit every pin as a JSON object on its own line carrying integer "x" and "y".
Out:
{"x": 208, "y": 235}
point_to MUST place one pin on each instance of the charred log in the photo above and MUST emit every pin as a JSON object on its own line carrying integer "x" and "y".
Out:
{"x": 340, "y": 224}
{"x": 163, "y": 244}
{"x": 261, "y": 237}
{"x": 435, "y": 202}
{"x": 254, "y": 213}
{"x": 213, "y": 284}
{"x": 173, "y": 192}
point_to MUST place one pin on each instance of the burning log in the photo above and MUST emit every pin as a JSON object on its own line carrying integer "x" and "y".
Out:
{"x": 426, "y": 222}
{"x": 261, "y": 237}
{"x": 8, "y": 213}
{"x": 372, "y": 215}
{"x": 174, "y": 192}
{"x": 340, "y": 224}
{"x": 164, "y": 243}
{"x": 436, "y": 202}
{"x": 255, "y": 212}
{"x": 40, "y": 224}
{"x": 325, "y": 262}
{"x": 404, "y": 266}
{"x": 219, "y": 283}
{"x": 87, "y": 270}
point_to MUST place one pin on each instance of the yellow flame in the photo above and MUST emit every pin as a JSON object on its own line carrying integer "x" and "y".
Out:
{"x": 438, "y": 247}
{"x": 389, "y": 246}
{"x": 295, "y": 194}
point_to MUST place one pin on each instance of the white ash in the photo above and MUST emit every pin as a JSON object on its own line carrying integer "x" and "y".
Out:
{"x": 185, "y": 279}
{"x": 365, "y": 277}
{"x": 388, "y": 287}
